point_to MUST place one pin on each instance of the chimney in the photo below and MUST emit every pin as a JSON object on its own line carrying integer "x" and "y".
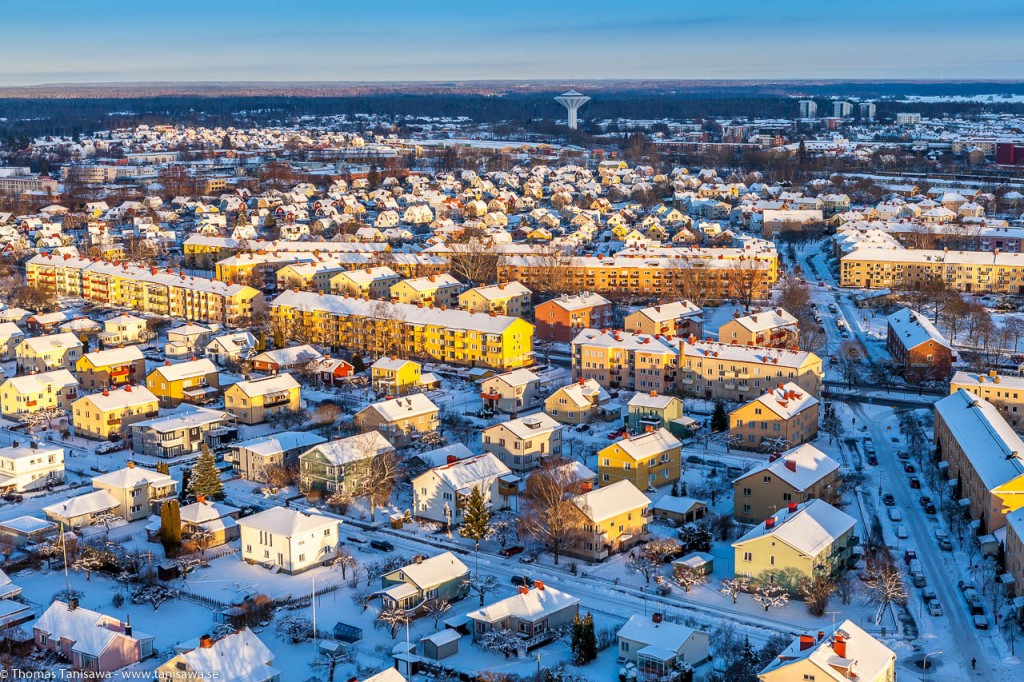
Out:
{"x": 523, "y": 589}
{"x": 821, "y": 635}
{"x": 654, "y": 394}
{"x": 34, "y": 445}
{"x": 791, "y": 465}
{"x": 792, "y": 507}
{"x": 128, "y": 626}
{"x": 72, "y": 603}
{"x": 106, "y": 392}
{"x": 14, "y": 444}
{"x": 539, "y": 584}
{"x": 451, "y": 459}
{"x": 131, "y": 465}
{"x": 655, "y": 617}
{"x": 769, "y": 523}
{"x": 128, "y": 388}
{"x": 167, "y": 363}
{"x": 806, "y": 642}
{"x": 839, "y": 644}
{"x": 201, "y": 499}
{"x": 205, "y": 642}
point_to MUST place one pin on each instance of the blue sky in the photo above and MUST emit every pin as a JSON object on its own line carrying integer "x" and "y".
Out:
{"x": 401, "y": 40}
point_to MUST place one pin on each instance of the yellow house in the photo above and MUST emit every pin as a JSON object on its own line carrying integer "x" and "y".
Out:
{"x": 455, "y": 337}
{"x": 503, "y": 299}
{"x": 195, "y": 381}
{"x": 649, "y": 460}
{"x": 33, "y": 392}
{"x": 204, "y": 252}
{"x": 100, "y": 415}
{"x": 798, "y": 475}
{"x": 368, "y": 282}
{"x": 614, "y": 519}
{"x": 113, "y": 367}
{"x": 400, "y": 420}
{"x": 845, "y": 653}
{"x": 394, "y": 376}
{"x": 436, "y": 290}
{"x": 45, "y": 353}
{"x": 577, "y": 403}
{"x": 780, "y": 419}
{"x": 254, "y": 400}
{"x": 799, "y": 541}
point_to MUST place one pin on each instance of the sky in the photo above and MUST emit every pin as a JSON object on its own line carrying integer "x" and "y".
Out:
{"x": 64, "y": 41}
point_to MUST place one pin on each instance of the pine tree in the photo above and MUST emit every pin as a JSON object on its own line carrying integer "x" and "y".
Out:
{"x": 720, "y": 418}
{"x": 205, "y": 479}
{"x": 357, "y": 363}
{"x": 589, "y": 638}
{"x": 170, "y": 527}
{"x": 476, "y": 520}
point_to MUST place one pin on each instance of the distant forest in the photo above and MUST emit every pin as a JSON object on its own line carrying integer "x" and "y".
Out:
{"x": 24, "y": 117}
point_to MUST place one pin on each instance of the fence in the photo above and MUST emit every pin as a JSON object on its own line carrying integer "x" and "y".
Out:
{"x": 305, "y": 599}
{"x": 202, "y": 600}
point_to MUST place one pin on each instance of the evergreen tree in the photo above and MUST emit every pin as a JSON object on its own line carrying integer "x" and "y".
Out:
{"x": 186, "y": 483}
{"x": 373, "y": 177}
{"x": 720, "y": 418}
{"x": 205, "y": 479}
{"x": 357, "y": 363}
{"x": 675, "y": 489}
{"x": 588, "y": 637}
{"x": 476, "y": 520}
{"x": 576, "y": 641}
{"x": 170, "y": 527}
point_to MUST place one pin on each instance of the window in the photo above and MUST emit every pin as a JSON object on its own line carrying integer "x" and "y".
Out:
{"x": 747, "y": 492}
{"x": 747, "y": 556}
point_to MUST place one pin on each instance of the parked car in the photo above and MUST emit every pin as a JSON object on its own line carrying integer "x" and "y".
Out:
{"x": 931, "y": 510}
{"x": 873, "y": 460}
{"x": 895, "y": 515}
{"x": 915, "y": 482}
{"x": 901, "y": 532}
{"x": 925, "y": 500}
{"x": 521, "y": 580}
{"x": 903, "y": 455}
{"x": 13, "y": 497}
{"x": 981, "y": 623}
{"x": 909, "y": 468}
{"x": 945, "y": 544}
{"x": 888, "y": 500}
{"x": 382, "y": 545}
{"x": 934, "y": 608}
{"x": 512, "y": 551}
{"x": 583, "y": 428}
{"x": 909, "y": 555}
{"x": 928, "y": 596}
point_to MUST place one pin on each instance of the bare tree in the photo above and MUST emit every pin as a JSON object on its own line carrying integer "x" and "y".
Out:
{"x": 436, "y": 609}
{"x": 482, "y": 585}
{"x": 503, "y": 529}
{"x": 343, "y": 561}
{"x": 474, "y": 261}
{"x": 392, "y": 617}
{"x": 661, "y": 549}
{"x": 378, "y": 475}
{"x": 816, "y": 592}
{"x": 745, "y": 278}
{"x": 884, "y": 581}
{"x": 644, "y": 565}
{"x": 545, "y": 513}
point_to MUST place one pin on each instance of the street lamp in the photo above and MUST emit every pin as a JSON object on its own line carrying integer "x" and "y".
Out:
{"x": 924, "y": 665}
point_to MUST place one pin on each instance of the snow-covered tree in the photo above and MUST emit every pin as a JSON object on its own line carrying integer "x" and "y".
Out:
{"x": 89, "y": 560}
{"x": 503, "y": 529}
{"x": 343, "y": 561}
{"x": 734, "y": 587}
{"x": 644, "y": 565}
{"x": 482, "y": 585}
{"x": 153, "y": 594}
{"x": 688, "y": 577}
{"x": 205, "y": 479}
{"x": 884, "y": 581}
{"x": 661, "y": 549}
{"x": 500, "y": 641}
{"x": 770, "y": 595}
{"x": 816, "y": 592}
{"x": 437, "y": 609}
{"x": 295, "y": 629}
{"x": 392, "y": 617}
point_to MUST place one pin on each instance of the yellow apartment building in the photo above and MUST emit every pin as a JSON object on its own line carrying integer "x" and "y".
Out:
{"x": 1006, "y": 393}
{"x": 253, "y": 400}
{"x": 784, "y": 417}
{"x": 511, "y": 298}
{"x": 614, "y": 520}
{"x": 46, "y": 353}
{"x": 100, "y": 415}
{"x": 195, "y": 381}
{"x": 113, "y": 367}
{"x": 798, "y": 475}
{"x": 372, "y": 283}
{"x": 648, "y": 460}
{"x": 967, "y": 271}
{"x": 436, "y": 290}
{"x": 33, "y": 392}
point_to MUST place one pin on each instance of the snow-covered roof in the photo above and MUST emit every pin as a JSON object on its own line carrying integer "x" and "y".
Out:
{"x": 353, "y": 449}
{"x": 280, "y": 442}
{"x": 581, "y": 392}
{"x": 651, "y": 401}
{"x": 387, "y": 675}
{"x": 27, "y": 524}
{"x": 497, "y": 292}
{"x": 912, "y": 329}
{"x": 787, "y": 402}
{"x": 81, "y": 505}
{"x": 800, "y": 467}
{"x": 626, "y": 341}
{"x": 90, "y": 631}
{"x": 434, "y": 571}
{"x": 973, "y": 379}
{"x": 667, "y": 312}
{"x": 648, "y": 444}
{"x": 529, "y": 426}
{"x": 810, "y": 530}
{"x": 517, "y": 377}
{"x": 730, "y": 352}
{"x": 240, "y": 657}
{"x": 287, "y": 522}
{"x": 12, "y": 452}
{"x": 45, "y": 344}
{"x": 439, "y": 456}
{"x": 114, "y": 356}
{"x": 390, "y": 364}
{"x": 182, "y": 417}
{"x": 120, "y": 399}
{"x": 206, "y": 511}
{"x": 661, "y": 635}
{"x": 36, "y": 383}
{"x": 132, "y": 477}
{"x": 579, "y": 301}
{"x": 994, "y": 450}
{"x": 464, "y": 473}
{"x": 403, "y": 408}
{"x": 864, "y": 655}
{"x": 535, "y": 605}
{"x": 267, "y": 385}
{"x": 187, "y": 370}
{"x": 609, "y": 501}
{"x": 676, "y": 505}
{"x": 431, "y": 282}
{"x": 289, "y": 356}
{"x": 765, "y": 320}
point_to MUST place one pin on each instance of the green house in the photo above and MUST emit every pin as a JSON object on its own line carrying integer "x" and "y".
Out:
{"x": 412, "y": 586}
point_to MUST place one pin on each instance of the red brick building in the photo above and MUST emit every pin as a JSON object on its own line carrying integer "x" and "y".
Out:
{"x": 918, "y": 347}
{"x": 561, "y": 318}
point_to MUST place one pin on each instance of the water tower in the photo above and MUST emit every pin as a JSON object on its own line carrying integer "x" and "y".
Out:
{"x": 572, "y": 101}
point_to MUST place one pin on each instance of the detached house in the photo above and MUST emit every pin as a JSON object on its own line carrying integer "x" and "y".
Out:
{"x": 34, "y": 392}
{"x": 195, "y": 381}
{"x": 652, "y": 410}
{"x": 846, "y": 652}
{"x": 511, "y": 392}
{"x": 781, "y": 418}
{"x": 918, "y": 347}
{"x": 81, "y": 510}
{"x": 648, "y": 460}
{"x": 234, "y": 347}
{"x": 400, "y": 420}
{"x": 252, "y": 401}
{"x": 394, "y": 376}
{"x": 123, "y": 329}
{"x": 90, "y": 641}
{"x": 113, "y": 367}
{"x": 188, "y": 340}
{"x": 292, "y": 541}
{"x": 807, "y": 540}
{"x": 798, "y": 475}
{"x": 767, "y": 329}
{"x": 442, "y": 577}
{"x": 655, "y": 646}
{"x": 511, "y": 298}
{"x": 680, "y": 318}
{"x": 139, "y": 492}
{"x": 46, "y": 353}
{"x": 250, "y": 459}
{"x": 578, "y": 403}
{"x": 32, "y": 467}
{"x": 238, "y": 656}
{"x": 101, "y": 415}
{"x": 334, "y": 466}
{"x": 447, "y": 487}
{"x": 535, "y": 614}
{"x": 614, "y": 520}
{"x": 522, "y": 443}
{"x": 182, "y": 431}
{"x": 293, "y": 358}
{"x": 10, "y": 336}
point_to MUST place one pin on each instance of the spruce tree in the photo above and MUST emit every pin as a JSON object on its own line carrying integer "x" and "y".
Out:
{"x": 576, "y": 641}
{"x": 186, "y": 483}
{"x": 720, "y": 418}
{"x": 205, "y": 478}
{"x": 476, "y": 520}
{"x": 357, "y": 363}
{"x": 588, "y": 637}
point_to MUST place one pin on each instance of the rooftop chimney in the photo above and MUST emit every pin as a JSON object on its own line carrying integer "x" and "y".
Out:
{"x": 523, "y": 589}
{"x": 539, "y": 584}
{"x": 792, "y": 507}
{"x": 201, "y": 499}
{"x": 655, "y": 617}
{"x": 769, "y": 523}
{"x": 806, "y": 642}
{"x": 451, "y": 459}
{"x": 839, "y": 644}
{"x": 205, "y": 642}
{"x": 791, "y": 465}
{"x": 131, "y": 465}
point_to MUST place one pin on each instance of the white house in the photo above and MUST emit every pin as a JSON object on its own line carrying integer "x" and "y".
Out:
{"x": 238, "y": 656}
{"x": 123, "y": 329}
{"x": 30, "y": 467}
{"x": 139, "y": 492}
{"x": 448, "y": 484}
{"x": 288, "y": 540}
{"x": 655, "y": 646}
